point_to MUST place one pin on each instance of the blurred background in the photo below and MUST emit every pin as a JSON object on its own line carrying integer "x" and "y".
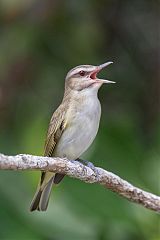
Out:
{"x": 40, "y": 41}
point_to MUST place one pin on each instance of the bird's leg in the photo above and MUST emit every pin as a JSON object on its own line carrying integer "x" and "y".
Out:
{"x": 88, "y": 164}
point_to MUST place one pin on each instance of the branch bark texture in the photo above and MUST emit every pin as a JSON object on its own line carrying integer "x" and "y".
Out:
{"x": 77, "y": 170}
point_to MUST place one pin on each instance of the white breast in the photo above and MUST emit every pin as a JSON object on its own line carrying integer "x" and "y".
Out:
{"x": 83, "y": 123}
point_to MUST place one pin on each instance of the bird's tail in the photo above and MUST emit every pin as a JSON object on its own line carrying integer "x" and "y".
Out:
{"x": 41, "y": 197}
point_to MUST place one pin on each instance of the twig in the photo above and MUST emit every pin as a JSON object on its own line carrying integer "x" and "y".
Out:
{"x": 77, "y": 170}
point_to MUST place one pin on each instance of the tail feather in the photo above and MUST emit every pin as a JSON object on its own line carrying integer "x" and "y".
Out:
{"x": 41, "y": 197}
{"x": 36, "y": 200}
{"x": 44, "y": 199}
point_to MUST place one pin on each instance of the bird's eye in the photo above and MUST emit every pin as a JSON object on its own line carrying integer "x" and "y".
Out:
{"x": 82, "y": 73}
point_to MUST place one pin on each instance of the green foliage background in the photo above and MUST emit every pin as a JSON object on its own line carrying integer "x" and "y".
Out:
{"x": 39, "y": 42}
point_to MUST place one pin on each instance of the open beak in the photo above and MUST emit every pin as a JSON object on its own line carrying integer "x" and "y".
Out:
{"x": 97, "y": 70}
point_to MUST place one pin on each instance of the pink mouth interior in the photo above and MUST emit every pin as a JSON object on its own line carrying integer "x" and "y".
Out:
{"x": 93, "y": 75}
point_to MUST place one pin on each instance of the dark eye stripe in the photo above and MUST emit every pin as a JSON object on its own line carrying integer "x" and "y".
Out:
{"x": 81, "y": 73}
{"x": 78, "y": 73}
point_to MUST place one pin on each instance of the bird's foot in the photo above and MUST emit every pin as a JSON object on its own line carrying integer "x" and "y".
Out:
{"x": 88, "y": 164}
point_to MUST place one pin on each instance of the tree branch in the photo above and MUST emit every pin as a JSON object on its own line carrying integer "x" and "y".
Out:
{"x": 77, "y": 170}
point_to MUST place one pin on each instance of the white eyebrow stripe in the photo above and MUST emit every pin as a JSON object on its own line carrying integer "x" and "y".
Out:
{"x": 76, "y": 70}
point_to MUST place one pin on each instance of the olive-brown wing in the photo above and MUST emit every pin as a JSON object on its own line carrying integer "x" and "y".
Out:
{"x": 55, "y": 130}
{"x": 56, "y": 127}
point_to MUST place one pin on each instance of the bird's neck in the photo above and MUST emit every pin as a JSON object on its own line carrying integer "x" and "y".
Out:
{"x": 72, "y": 95}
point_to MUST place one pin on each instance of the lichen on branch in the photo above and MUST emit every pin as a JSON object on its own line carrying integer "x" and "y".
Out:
{"x": 77, "y": 170}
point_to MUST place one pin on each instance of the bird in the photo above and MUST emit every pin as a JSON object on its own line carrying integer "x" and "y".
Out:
{"x": 73, "y": 126}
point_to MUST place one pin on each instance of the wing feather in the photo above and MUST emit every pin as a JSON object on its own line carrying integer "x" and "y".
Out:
{"x": 55, "y": 130}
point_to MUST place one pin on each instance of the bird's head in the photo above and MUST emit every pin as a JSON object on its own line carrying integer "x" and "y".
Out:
{"x": 85, "y": 77}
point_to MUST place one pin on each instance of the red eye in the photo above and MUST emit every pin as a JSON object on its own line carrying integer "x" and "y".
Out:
{"x": 82, "y": 73}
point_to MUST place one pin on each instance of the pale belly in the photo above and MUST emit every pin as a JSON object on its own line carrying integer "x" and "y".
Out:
{"x": 80, "y": 133}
